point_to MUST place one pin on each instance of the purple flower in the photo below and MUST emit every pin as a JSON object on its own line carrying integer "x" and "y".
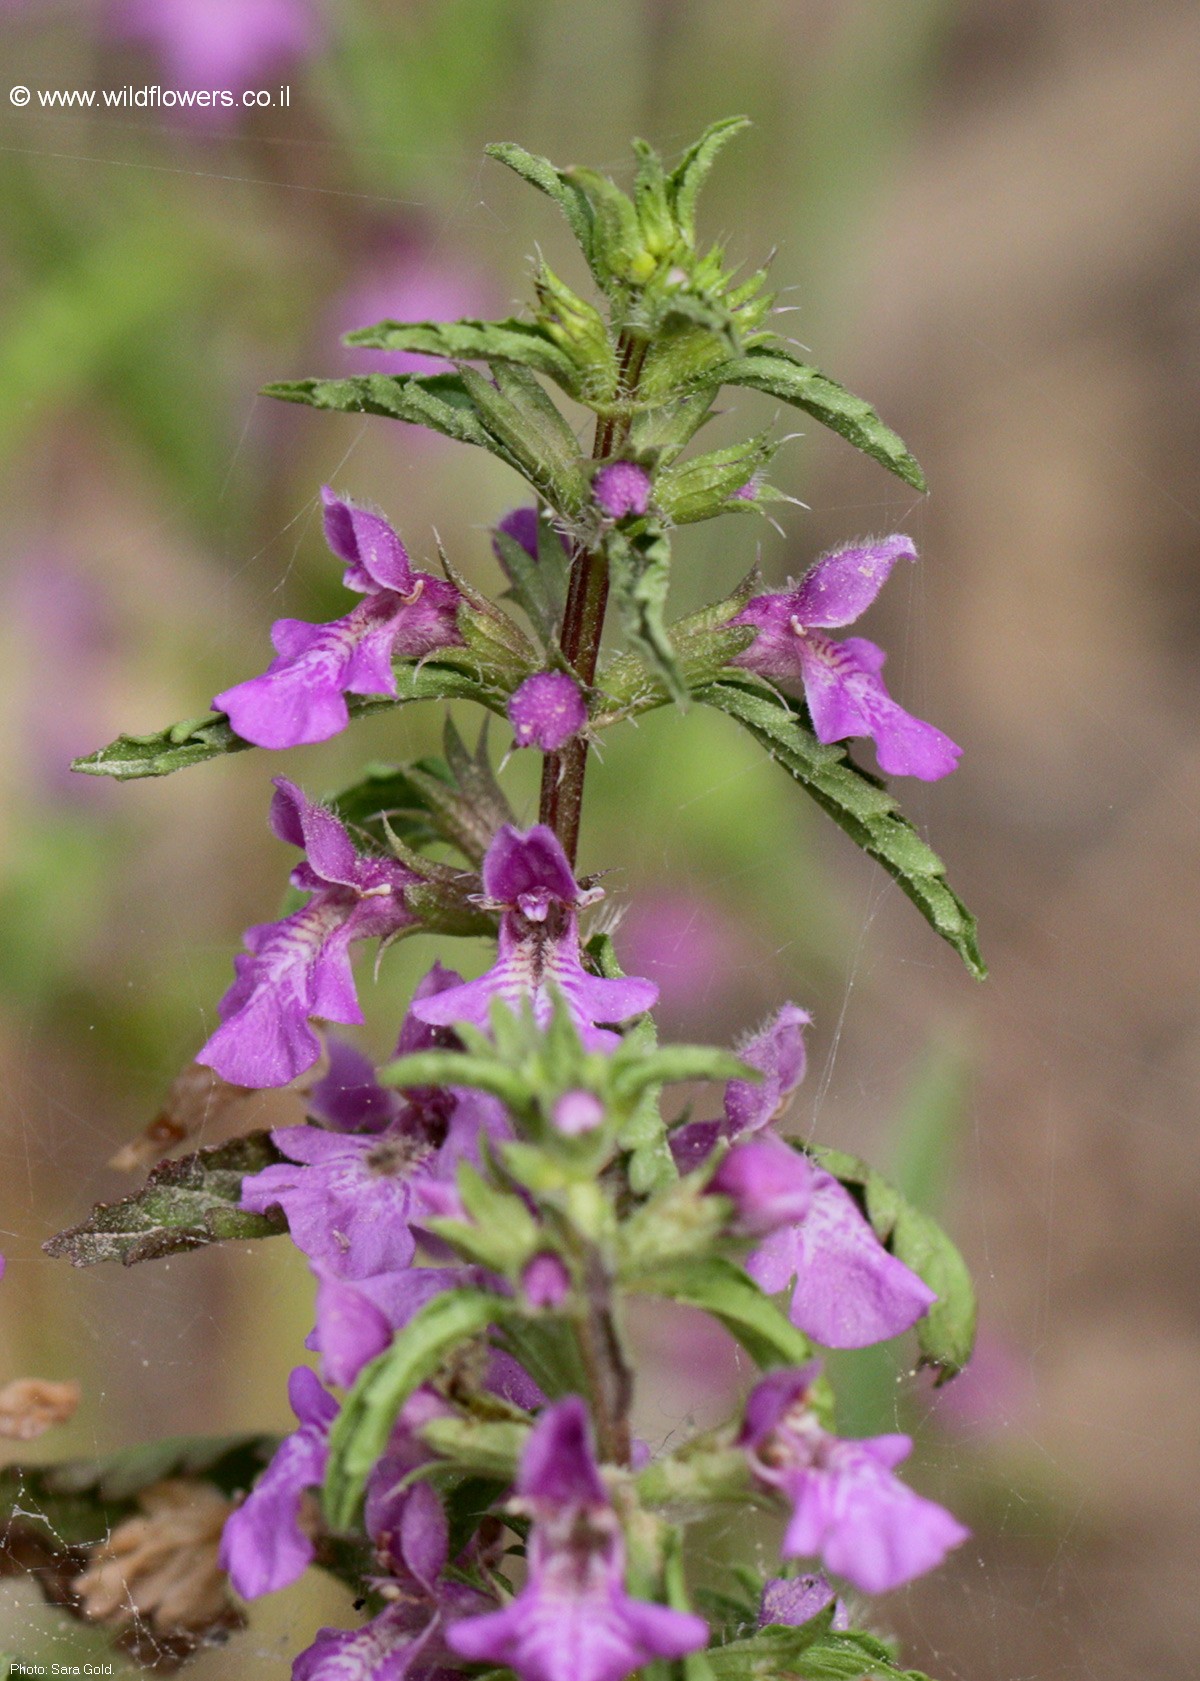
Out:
{"x": 777, "y": 1051}
{"x": 231, "y": 44}
{"x": 347, "y": 1199}
{"x": 622, "y": 488}
{"x": 527, "y": 877}
{"x": 348, "y": 1096}
{"x": 795, "y": 1600}
{"x": 300, "y": 967}
{"x": 573, "y": 1620}
{"x": 264, "y": 1547}
{"x": 847, "y": 1507}
{"x": 841, "y": 679}
{"x": 547, "y": 710}
{"x": 847, "y": 1290}
{"x": 769, "y": 1184}
{"x": 358, "y": 1316}
{"x": 411, "y": 1535}
{"x": 301, "y": 697}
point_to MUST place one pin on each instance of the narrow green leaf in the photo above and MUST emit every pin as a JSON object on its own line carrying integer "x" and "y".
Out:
{"x": 640, "y": 571}
{"x": 541, "y": 173}
{"x": 691, "y": 172}
{"x": 773, "y": 371}
{"x": 540, "y": 589}
{"x": 481, "y": 341}
{"x": 673, "y": 1063}
{"x": 946, "y": 1334}
{"x": 197, "y": 739}
{"x": 704, "y": 643}
{"x": 695, "y": 1664}
{"x": 438, "y": 401}
{"x": 184, "y": 1204}
{"x": 664, "y": 431}
{"x": 361, "y": 1430}
{"x": 458, "y": 1068}
{"x": 724, "y": 1290}
{"x": 659, "y": 233}
{"x": 531, "y": 433}
{"x": 704, "y": 486}
{"x": 617, "y": 251}
{"x": 857, "y": 803}
{"x": 582, "y": 332}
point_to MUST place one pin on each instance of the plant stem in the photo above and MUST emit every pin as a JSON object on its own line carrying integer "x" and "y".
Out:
{"x": 563, "y": 773}
{"x": 609, "y": 1377}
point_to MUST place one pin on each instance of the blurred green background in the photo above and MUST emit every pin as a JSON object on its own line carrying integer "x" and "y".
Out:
{"x": 983, "y": 213}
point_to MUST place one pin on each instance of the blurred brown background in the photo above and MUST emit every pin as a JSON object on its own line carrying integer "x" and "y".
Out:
{"x": 985, "y": 213}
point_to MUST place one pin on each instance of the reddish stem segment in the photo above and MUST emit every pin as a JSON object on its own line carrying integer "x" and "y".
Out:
{"x": 563, "y": 773}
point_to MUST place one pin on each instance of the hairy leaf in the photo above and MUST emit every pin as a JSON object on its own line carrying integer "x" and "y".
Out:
{"x": 855, "y": 801}
{"x": 724, "y": 1290}
{"x": 455, "y": 799}
{"x": 704, "y": 643}
{"x": 946, "y": 1334}
{"x": 184, "y": 1204}
{"x": 482, "y": 341}
{"x": 773, "y": 371}
{"x": 541, "y": 173}
{"x": 438, "y": 401}
{"x": 640, "y": 570}
{"x": 705, "y": 486}
{"x": 197, "y": 739}
{"x": 691, "y": 172}
{"x": 530, "y": 433}
{"x": 540, "y": 586}
{"x": 361, "y": 1430}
